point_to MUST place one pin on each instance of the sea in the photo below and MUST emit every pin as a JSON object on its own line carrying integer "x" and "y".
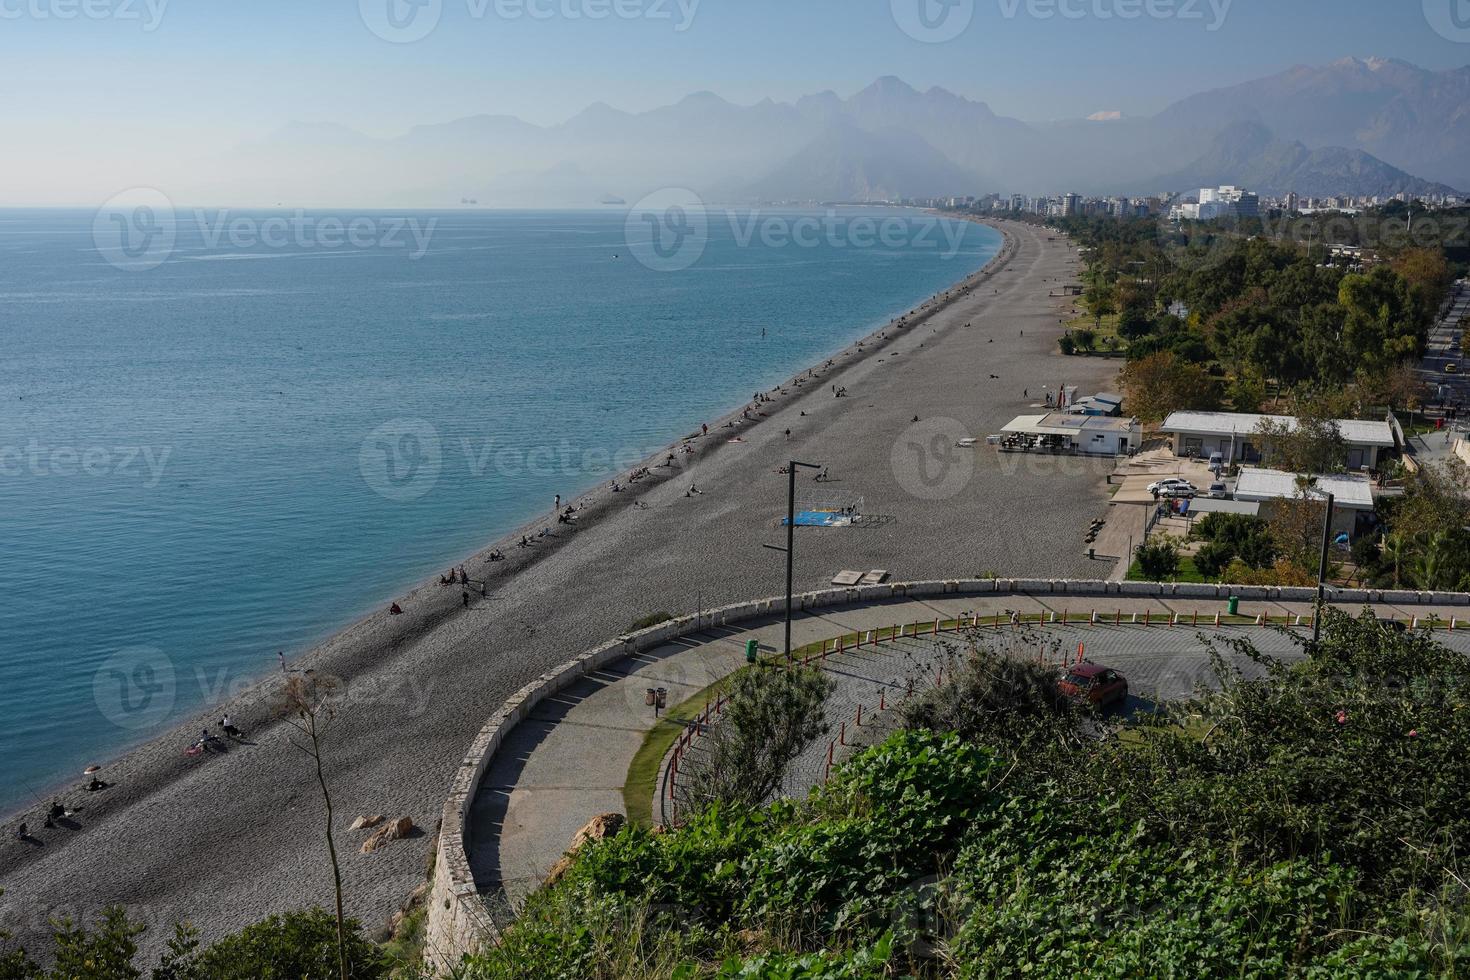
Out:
{"x": 226, "y": 434}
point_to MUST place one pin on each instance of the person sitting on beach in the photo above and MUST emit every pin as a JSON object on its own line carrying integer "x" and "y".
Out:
{"x": 23, "y": 832}
{"x": 229, "y": 729}
{"x": 694, "y": 491}
{"x": 395, "y": 610}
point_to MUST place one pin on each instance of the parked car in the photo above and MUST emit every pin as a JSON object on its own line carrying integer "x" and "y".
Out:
{"x": 1186, "y": 491}
{"x": 1219, "y": 491}
{"x": 1217, "y": 463}
{"x": 1173, "y": 481}
{"x": 1095, "y": 684}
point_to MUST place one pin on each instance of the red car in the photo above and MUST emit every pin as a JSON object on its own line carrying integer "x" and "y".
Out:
{"x": 1098, "y": 686}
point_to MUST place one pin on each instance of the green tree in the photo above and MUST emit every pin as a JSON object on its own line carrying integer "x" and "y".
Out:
{"x": 773, "y": 713}
{"x": 1162, "y": 383}
{"x": 1158, "y": 559}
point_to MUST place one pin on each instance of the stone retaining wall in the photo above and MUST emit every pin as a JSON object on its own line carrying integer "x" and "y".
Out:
{"x": 457, "y": 919}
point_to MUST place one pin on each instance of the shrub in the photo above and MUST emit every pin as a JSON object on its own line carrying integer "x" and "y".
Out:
{"x": 772, "y": 715}
{"x": 1212, "y": 559}
{"x": 1158, "y": 559}
{"x": 651, "y": 620}
{"x": 994, "y": 700}
{"x": 1067, "y": 344}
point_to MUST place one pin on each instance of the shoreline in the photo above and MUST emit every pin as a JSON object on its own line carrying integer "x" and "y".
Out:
{"x": 599, "y": 500}
{"x": 381, "y": 651}
{"x": 477, "y": 561}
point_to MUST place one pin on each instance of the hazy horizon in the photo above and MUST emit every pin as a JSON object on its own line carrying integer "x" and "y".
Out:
{"x": 182, "y": 97}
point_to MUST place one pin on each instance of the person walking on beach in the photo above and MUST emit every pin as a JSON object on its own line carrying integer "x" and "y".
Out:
{"x": 704, "y": 428}
{"x": 465, "y": 595}
{"x": 788, "y": 435}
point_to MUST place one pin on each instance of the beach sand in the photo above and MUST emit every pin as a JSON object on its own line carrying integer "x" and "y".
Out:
{"x": 225, "y": 840}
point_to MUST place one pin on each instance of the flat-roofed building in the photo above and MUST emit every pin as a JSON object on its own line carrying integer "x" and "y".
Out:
{"x": 1236, "y": 436}
{"x": 1059, "y": 432}
{"x": 1352, "y": 494}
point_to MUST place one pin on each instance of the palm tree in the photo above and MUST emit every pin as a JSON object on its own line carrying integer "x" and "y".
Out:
{"x": 1396, "y": 549}
{"x": 1434, "y": 561}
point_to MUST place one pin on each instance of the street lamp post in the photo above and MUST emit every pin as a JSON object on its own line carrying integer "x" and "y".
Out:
{"x": 1322, "y": 573}
{"x": 791, "y": 540}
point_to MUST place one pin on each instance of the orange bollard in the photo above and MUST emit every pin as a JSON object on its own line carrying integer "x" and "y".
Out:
{"x": 860, "y": 716}
{"x": 842, "y": 734}
{"x": 883, "y": 700}
{"x": 1118, "y": 621}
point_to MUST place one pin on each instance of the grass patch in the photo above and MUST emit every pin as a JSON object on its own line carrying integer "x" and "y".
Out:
{"x": 1187, "y": 573}
{"x": 642, "y": 780}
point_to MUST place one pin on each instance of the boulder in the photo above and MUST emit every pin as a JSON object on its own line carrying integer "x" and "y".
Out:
{"x": 600, "y": 828}
{"x": 396, "y": 830}
{"x": 367, "y": 823}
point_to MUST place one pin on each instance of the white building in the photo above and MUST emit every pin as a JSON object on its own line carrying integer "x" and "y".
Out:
{"x": 1352, "y": 495}
{"x": 1087, "y": 435}
{"x": 1236, "y": 436}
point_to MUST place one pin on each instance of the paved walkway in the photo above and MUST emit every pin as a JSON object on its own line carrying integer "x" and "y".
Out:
{"x": 567, "y": 763}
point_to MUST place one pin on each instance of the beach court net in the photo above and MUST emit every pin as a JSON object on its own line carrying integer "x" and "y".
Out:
{"x": 816, "y": 508}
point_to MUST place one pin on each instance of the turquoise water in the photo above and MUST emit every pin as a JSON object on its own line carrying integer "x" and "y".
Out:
{"x": 240, "y": 450}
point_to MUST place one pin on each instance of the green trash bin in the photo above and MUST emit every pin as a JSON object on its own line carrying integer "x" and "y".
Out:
{"x": 752, "y": 651}
{"x": 1235, "y": 605}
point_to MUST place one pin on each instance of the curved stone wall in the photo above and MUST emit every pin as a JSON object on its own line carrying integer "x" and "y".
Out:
{"x": 457, "y": 919}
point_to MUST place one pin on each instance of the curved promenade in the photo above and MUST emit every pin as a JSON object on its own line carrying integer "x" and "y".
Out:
{"x": 557, "y": 753}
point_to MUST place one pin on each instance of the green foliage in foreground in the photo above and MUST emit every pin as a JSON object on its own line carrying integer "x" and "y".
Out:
{"x": 296, "y": 946}
{"x": 1303, "y": 824}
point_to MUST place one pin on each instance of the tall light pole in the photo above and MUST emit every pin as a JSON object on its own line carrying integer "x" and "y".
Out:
{"x": 790, "y": 548}
{"x": 1322, "y": 573}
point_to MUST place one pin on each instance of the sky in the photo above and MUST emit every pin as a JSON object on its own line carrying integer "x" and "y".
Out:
{"x": 123, "y": 84}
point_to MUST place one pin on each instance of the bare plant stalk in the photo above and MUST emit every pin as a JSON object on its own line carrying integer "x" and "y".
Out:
{"x": 306, "y": 709}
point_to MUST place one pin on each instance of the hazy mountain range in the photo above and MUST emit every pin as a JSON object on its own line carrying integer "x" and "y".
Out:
{"x": 1354, "y": 127}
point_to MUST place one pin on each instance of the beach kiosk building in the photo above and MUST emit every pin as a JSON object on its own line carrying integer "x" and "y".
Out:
{"x": 1236, "y": 437}
{"x": 1064, "y": 433}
